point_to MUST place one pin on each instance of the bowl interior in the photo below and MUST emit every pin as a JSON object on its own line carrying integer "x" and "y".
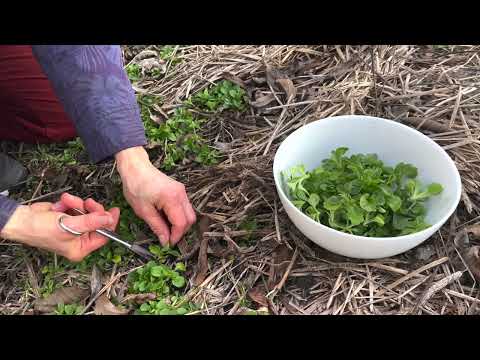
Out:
{"x": 391, "y": 141}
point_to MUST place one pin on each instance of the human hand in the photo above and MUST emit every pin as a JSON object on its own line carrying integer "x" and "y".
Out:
{"x": 37, "y": 225}
{"x": 156, "y": 198}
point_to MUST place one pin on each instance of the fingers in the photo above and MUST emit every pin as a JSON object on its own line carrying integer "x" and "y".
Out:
{"x": 191, "y": 216}
{"x": 67, "y": 202}
{"x": 115, "y": 212}
{"x": 41, "y": 206}
{"x": 93, "y": 206}
{"x": 89, "y": 222}
{"x": 156, "y": 222}
{"x": 177, "y": 217}
{"x": 90, "y": 243}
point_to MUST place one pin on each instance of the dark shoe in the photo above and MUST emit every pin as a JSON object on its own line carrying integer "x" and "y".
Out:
{"x": 12, "y": 173}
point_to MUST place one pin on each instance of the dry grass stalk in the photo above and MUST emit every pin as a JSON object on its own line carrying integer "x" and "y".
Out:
{"x": 435, "y": 91}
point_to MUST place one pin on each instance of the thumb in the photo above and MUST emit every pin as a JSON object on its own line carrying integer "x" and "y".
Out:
{"x": 89, "y": 222}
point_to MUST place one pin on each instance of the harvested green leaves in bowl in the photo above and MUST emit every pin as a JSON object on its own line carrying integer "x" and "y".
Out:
{"x": 360, "y": 195}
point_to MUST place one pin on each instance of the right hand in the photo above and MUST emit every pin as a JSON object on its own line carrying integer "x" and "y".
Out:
{"x": 37, "y": 225}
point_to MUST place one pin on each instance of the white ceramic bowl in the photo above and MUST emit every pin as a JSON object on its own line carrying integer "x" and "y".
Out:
{"x": 393, "y": 143}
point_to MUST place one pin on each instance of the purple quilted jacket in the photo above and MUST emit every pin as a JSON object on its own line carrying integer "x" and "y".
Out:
{"x": 92, "y": 85}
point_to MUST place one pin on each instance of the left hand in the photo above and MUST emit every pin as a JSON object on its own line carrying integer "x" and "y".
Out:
{"x": 37, "y": 226}
{"x": 156, "y": 198}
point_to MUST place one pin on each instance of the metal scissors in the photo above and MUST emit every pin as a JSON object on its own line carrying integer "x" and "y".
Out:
{"x": 137, "y": 249}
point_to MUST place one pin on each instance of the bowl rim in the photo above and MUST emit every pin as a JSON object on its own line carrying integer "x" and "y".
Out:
{"x": 393, "y": 123}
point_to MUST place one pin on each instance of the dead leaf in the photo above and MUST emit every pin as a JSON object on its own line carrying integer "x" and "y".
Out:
{"x": 32, "y": 277}
{"x": 257, "y": 294}
{"x": 202, "y": 264}
{"x": 281, "y": 258}
{"x": 235, "y": 79}
{"x": 301, "y": 67}
{"x": 474, "y": 309}
{"x": 103, "y": 306}
{"x": 259, "y": 80}
{"x": 96, "y": 281}
{"x": 474, "y": 229}
{"x": 157, "y": 119}
{"x": 139, "y": 298}
{"x": 145, "y": 54}
{"x": 66, "y": 295}
{"x": 472, "y": 258}
{"x": 151, "y": 64}
{"x": 272, "y": 76}
{"x": 183, "y": 246}
{"x": 466, "y": 201}
{"x": 342, "y": 69}
{"x": 289, "y": 88}
{"x": 263, "y": 101}
{"x": 424, "y": 253}
{"x": 222, "y": 146}
{"x": 461, "y": 240}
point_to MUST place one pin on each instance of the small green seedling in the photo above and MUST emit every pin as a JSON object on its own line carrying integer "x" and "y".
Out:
{"x": 250, "y": 225}
{"x": 178, "y": 135}
{"x": 167, "y": 53}
{"x": 134, "y": 72}
{"x": 162, "y": 252}
{"x": 156, "y": 277}
{"x": 49, "y": 284}
{"x": 68, "y": 309}
{"x": 222, "y": 96}
{"x": 128, "y": 218}
{"x": 59, "y": 155}
{"x": 172, "y": 305}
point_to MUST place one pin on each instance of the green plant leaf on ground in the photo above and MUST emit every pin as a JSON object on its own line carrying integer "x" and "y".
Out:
{"x": 69, "y": 309}
{"x": 178, "y": 135}
{"x": 223, "y": 96}
{"x": 134, "y": 72}
{"x": 59, "y": 155}
{"x": 158, "y": 278}
{"x": 167, "y": 53}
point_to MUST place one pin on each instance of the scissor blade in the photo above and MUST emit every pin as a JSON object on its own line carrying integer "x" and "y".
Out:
{"x": 141, "y": 251}
{"x": 137, "y": 249}
{"x": 113, "y": 236}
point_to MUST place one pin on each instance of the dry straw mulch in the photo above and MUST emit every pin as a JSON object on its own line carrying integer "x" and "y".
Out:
{"x": 432, "y": 89}
{"x": 280, "y": 271}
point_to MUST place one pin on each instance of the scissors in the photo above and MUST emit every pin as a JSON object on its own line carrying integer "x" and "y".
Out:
{"x": 137, "y": 249}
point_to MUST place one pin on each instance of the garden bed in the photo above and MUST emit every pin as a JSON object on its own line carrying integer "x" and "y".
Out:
{"x": 228, "y": 108}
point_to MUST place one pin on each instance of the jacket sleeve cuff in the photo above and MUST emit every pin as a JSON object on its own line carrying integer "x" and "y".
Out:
{"x": 7, "y": 208}
{"x": 121, "y": 131}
